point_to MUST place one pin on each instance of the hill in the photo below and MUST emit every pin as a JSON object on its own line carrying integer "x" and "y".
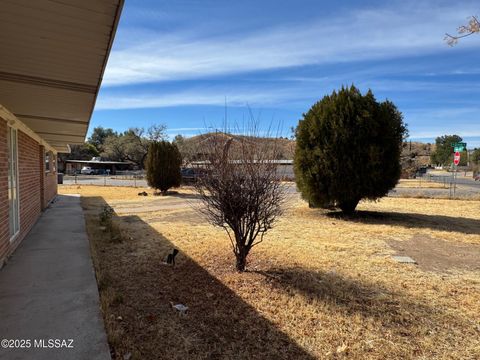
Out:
{"x": 413, "y": 156}
{"x": 193, "y": 148}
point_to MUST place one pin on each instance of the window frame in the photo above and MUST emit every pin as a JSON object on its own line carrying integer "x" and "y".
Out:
{"x": 12, "y": 131}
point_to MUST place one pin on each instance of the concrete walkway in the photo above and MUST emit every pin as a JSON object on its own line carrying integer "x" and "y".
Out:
{"x": 48, "y": 291}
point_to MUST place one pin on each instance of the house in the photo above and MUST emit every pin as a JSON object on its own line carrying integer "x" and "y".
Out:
{"x": 52, "y": 58}
{"x": 97, "y": 166}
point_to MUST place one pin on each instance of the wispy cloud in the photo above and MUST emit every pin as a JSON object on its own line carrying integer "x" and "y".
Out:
{"x": 213, "y": 96}
{"x": 290, "y": 93}
{"x": 355, "y": 36}
{"x": 170, "y": 130}
{"x": 429, "y": 123}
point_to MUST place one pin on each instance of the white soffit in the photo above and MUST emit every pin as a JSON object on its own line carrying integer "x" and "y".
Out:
{"x": 52, "y": 58}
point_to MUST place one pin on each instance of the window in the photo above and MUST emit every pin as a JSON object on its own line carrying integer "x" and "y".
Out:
{"x": 50, "y": 162}
{"x": 53, "y": 162}
{"x": 47, "y": 161}
{"x": 13, "y": 199}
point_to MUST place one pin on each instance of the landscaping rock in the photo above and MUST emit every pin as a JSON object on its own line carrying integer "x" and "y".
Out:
{"x": 404, "y": 259}
{"x": 182, "y": 309}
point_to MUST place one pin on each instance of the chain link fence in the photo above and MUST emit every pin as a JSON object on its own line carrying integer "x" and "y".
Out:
{"x": 121, "y": 178}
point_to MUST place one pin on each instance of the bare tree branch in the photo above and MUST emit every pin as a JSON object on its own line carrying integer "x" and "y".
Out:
{"x": 240, "y": 188}
{"x": 473, "y": 27}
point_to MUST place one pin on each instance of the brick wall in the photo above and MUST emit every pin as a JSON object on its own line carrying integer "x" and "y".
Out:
{"x": 41, "y": 160}
{"x": 29, "y": 184}
{"x": 4, "y": 241}
{"x": 36, "y": 187}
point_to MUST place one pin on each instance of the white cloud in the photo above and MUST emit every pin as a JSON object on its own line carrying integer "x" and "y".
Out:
{"x": 170, "y": 130}
{"x": 360, "y": 35}
{"x": 213, "y": 96}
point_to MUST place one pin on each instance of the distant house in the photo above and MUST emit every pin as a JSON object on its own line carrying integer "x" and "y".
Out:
{"x": 284, "y": 168}
{"x": 97, "y": 165}
{"x": 53, "y": 55}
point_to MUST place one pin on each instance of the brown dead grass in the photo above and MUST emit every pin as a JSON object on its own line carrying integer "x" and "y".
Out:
{"x": 319, "y": 286}
{"x": 420, "y": 183}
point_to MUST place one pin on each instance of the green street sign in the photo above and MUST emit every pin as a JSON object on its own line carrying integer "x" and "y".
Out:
{"x": 459, "y": 146}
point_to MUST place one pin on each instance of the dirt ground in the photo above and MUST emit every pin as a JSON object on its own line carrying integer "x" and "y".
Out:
{"x": 439, "y": 255}
{"x": 321, "y": 285}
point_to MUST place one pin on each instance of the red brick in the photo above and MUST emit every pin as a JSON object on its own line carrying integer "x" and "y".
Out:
{"x": 36, "y": 187}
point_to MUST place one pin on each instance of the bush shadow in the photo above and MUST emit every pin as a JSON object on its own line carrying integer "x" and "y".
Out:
{"x": 218, "y": 325}
{"x": 185, "y": 196}
{"x": 412, "y": 220}
{"x": 397, "y": 312}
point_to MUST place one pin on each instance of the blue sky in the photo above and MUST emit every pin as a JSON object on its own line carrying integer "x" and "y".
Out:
{"x": 176, "y": 62}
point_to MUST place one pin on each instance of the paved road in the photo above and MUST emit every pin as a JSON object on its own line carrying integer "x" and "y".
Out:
{"x": 461, "y": 180}
{"x": 462, "y": 192}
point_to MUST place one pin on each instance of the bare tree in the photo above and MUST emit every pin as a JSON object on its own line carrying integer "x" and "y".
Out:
{"x": 240, "y": 189}
{"x": 156, "y": 132}
{"x": 132, "y": 145}
{"x": 187, "y": 147}
{"x": 473, "y": 27}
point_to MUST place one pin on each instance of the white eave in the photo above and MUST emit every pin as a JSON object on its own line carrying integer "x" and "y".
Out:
{"x": 53, "y": 55}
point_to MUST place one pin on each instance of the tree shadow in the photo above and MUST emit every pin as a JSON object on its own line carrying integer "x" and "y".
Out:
{"x": 219, "y": 324}
{"x": 396, "y": 311}
{"x": 185, "y": 196}
{"x": 412, "y": 220}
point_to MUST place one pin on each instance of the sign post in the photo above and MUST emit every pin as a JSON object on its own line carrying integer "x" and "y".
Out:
{"x": 458, "y": 147}
{"x": 456, "y": 161}
{"x": 456, "y": 158}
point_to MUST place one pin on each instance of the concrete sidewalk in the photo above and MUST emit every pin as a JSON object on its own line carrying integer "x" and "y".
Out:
{"x": 48, "y": 291}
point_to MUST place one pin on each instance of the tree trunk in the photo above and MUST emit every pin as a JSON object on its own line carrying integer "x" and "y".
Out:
{"x": 348, "y": 207}
{"x": 241, "y": 256}
{"x": 241, "y": 263}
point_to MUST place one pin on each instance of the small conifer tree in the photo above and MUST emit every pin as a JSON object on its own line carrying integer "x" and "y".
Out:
{"x": 163, "y": 166}
{"x": 348, "y": 148}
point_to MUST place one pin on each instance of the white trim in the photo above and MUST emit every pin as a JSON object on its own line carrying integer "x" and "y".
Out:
{"x": 17, "y": 185}
{"x": 15, "y": 123}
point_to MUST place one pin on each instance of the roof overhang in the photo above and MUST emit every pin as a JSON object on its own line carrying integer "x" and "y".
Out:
{"x": 53, "y": 56}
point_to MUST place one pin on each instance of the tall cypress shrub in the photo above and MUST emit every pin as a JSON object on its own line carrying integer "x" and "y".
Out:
{"x": 163, "y": 166}
{"x": 348, "y": 148}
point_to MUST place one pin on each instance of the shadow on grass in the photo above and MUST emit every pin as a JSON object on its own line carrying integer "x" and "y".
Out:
{"x": 412, "y": 220}
{"x": 137, "y": 291}
{"x": 185, "y": 196}
{"x": 398, "y": 313}
{"x": 177, "y": 194}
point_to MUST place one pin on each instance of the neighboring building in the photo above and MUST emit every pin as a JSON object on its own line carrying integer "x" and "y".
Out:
{"x": 53, "y": 55}
{"x": 284, "y": 168}
{"x": 97, "y": 165}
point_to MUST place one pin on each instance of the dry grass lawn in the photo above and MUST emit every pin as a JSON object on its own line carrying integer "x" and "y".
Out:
{"x": 320, "y": 285}
{"x": 420, "y": 183}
